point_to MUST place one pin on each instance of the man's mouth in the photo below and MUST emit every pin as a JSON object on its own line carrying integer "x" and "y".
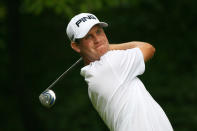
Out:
{"x": 98, "y": 45}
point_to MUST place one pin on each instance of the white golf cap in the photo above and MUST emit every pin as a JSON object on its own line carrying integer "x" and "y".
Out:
{"x": 80, "y": 25}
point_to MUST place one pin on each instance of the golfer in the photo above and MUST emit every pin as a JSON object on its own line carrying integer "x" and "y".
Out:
{"x": 111, "y": 72}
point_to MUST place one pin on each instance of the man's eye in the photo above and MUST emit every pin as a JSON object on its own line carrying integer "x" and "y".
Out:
{"x": 88, "y": 36}
{"x": 98, "y": 31}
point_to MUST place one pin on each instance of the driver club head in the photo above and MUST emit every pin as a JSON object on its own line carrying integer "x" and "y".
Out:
{"x": 47, "y": 98}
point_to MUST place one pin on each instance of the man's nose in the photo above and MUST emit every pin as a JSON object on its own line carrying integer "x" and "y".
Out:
{"x": 96, "y": 39}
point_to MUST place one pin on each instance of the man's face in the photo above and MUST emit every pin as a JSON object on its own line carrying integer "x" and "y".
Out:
{"x": 94, "y": 44}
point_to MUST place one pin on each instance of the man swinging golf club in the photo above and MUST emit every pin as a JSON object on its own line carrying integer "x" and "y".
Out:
{"x": 111, "y": 72}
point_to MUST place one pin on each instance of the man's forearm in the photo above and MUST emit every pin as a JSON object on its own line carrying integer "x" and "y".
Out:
{"x": 127, "y": 45}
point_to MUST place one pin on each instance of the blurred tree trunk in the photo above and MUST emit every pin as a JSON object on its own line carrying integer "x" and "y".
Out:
{"x": 18, "y": 88}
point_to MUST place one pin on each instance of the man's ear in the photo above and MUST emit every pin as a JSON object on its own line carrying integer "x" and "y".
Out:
{"x": 75, "y": 46}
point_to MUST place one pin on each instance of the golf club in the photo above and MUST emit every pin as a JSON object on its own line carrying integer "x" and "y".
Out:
{"x": 47, "y": 97}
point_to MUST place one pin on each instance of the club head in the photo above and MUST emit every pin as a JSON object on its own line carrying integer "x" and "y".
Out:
{"x": 47, "y": 98}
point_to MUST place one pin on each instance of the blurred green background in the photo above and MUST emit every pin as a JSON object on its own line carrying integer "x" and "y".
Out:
{"x": 34, "y": 51}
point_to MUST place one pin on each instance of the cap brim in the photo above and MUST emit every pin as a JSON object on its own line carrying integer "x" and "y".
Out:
{"x": 83, "y": 34}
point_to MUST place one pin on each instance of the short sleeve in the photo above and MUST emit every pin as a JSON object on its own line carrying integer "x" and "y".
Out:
{"x": 127, "y": 63}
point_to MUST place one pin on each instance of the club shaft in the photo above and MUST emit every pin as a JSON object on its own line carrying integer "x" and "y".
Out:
{"x": 62, "y": 75}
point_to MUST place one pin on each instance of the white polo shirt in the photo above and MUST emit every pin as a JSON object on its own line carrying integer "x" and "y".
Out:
{"x": 119, "y": 96}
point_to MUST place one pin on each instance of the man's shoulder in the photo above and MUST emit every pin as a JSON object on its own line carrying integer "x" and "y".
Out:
{"x": 109, "y": 58}
{"x": 120, "y": 52}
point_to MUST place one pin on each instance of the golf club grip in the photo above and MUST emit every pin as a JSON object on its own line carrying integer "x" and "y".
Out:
{"x": 64, "y": 74}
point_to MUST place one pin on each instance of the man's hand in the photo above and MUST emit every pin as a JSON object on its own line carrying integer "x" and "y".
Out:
{"x": 147, "y": 49}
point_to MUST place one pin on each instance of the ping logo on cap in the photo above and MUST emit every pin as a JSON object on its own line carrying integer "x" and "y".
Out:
{"x": 84, "y": 19}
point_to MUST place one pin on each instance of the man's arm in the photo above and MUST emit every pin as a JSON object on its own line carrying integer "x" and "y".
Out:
{"x": 147, "y": 49}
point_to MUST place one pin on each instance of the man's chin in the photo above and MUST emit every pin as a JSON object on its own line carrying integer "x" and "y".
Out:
{"x": 103, "y": 49}
{"x": 102, "y": 52}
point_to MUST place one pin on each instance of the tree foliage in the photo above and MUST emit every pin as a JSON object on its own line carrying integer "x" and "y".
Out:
{"x": 71, "y": 7}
